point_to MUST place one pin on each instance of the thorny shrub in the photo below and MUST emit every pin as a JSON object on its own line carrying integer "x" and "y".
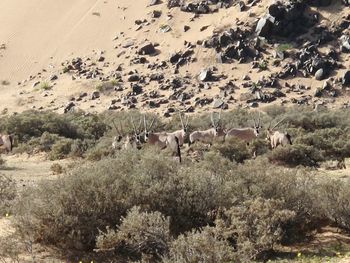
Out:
{"x": 255, "y": 226}
{"x": 7, "y": 194}
{"x": 139, "y": 233}
{"x": 206, "y": 245}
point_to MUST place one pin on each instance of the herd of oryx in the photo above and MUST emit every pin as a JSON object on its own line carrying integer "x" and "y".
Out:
{"x": 173, "y": 141}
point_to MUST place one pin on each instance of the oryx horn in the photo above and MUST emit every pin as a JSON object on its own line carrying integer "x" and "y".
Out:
{"x": 278, "y": 123}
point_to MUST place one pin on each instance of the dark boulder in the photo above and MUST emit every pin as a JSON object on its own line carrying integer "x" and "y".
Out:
{"x": 346, "y": 78}
{"x": 147, "y": 49}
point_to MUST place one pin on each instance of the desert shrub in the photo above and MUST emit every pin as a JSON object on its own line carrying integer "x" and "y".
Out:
{"x": 139, "y": 233}
{"x": 260, "y": 146}
{"x": 255, "y": 226}
{"x": 259, "y": 179}
{"x": 294, "y": 155}
{"x": 33, "y": 124}
{"x": 30, "y": 124}
{"x": 332, "y": 143}
{"x": 2, "y": 162}
{"x": 56, "y": 168}
{"x": 7, "y": 194}
{"x": 275, "y": 110}
{"x": 310, "y": 120}
{"x": 31, "y": 146}
{"x": 10, "y": 249}
{"x": 233, "y": 149}
{"x": 45, "y": 86}
{"x": 47, "y": 140}
{"x": 60, "y": 149}
{"x": 206, "y": 245}
{"x": 334, "y": 202}
{"x": 107, "y": 87}
{"x": 95, "y": 197}
{"x": 87, "y": 126}
{"x": 101, "y": 149}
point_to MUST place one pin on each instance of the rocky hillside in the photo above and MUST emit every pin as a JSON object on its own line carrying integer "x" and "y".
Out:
{"x": 166, "y": 55}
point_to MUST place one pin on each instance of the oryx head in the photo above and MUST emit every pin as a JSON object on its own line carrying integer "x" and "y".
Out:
{"x": 137, "y": 132}
{"x": 270, "y": 130}
{"x": 184, "y": 124}
{"x": 147, "y": 130}
{"x": 119, "y": 131}
{"x": 257, "y": 126}
{"x": 216, "y": 124}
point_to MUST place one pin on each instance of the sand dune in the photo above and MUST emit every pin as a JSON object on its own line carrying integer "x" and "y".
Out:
{"x": 40, "y": 32}
{"x": 38, "y": 35}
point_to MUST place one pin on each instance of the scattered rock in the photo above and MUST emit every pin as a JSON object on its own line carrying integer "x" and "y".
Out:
{"x": 218, "y": 103}
{"x": 53, "y": 77}
{"x": 134, "y": 78}
{"x": 346, "y": 78}
{"x": 147, "y": 49}
{"x": 205, "y": 75}
{"x": 154, "y": 2}
{"x": 95, "y": 95}
{"x": 319, "y": 75}
{"x": 69, "y": 107}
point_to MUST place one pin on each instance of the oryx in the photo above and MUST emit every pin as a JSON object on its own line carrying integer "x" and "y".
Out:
{"x": 207, "y": 136}
{"x": 276, "y": 137}
{"x": 181, "y": 134}
{"x": 162, "y": 139}
{"x": 6, "y": 142}
{"x": 245, "y": 134}
{"x": 131, "y": 141}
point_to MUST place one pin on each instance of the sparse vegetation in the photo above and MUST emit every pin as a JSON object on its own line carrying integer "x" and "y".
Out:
{"x": 262, "y": 65}
{"x": 44, "y": 86}
{"x": 142, "y": 205}
{"x": 5, "y": 83}
{"x": 284, "y": 47}
{"x": 7, "y": 194}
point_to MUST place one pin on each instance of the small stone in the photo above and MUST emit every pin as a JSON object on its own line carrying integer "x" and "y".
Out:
{"x": 147, "y": 49}
{"x": 218, "y": 103}
{"x": 133, "y": 78}
{"x": 53, "y": 77}
{"x": 205, "y": 75}
{"x": 346, "y": 78}
{"x": 69, "y": 107}
{"x": 95, "y": 95}
{"x": 319, "y": 75}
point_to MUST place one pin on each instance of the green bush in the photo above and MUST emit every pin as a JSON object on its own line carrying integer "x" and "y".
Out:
{"x": 139, "y": 233}
{"x": 255, "y": 226}
{"x": 7, "y": 194}
{"x": 205, "y": 246}
{"x": 233, "y": 149}
{"x": 294, "y": 155}
{"x": 95, "y": 197}
{"x": 334, "y": 202}
{"x": 60, "y": 149}
{"x": 30, "y": 124}
{"x": 56, "y": 168}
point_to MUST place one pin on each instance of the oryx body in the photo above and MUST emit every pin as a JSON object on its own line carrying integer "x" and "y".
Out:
{"x": 244, "y": 134}
{"x": 278, "y": 138}
{"x": 206, "y": 136}
{"x": 162, "y": 140}
{"x": 131, "y": 141}
{"x": 6, "y": 142}
{"x": 182, "y": 133}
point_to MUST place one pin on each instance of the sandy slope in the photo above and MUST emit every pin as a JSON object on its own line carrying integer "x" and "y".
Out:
{"x": 41, "y": 34}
